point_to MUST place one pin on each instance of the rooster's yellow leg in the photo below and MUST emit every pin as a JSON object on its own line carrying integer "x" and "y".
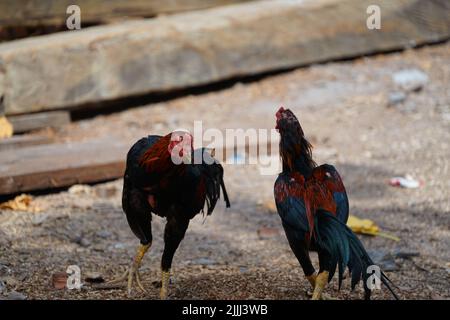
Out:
{"x": 165, "y": 278}
{"x": 312, "y": 279}
{"x": 320, "y": 283}
{"x": 133, "y": 272}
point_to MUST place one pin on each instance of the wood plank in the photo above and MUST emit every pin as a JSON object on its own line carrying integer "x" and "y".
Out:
{"x": 21, "y": 141}
{"x": 53, "y": 12}
{"x": 167, "y": 53}
{"x": 60, "y": 165}
{"x": 34, "y": 121}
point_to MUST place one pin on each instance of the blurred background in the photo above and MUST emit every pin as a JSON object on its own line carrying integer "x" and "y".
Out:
{"x": 80, "y": 81}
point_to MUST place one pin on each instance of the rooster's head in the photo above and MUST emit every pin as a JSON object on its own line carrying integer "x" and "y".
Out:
{"x": 295, "y": 150}
{"x": 181, "y": 146}
{"x": 287, "y": 121}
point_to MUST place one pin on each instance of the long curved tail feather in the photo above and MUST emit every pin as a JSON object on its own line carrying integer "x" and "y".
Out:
{"x": 345, "y": 250}
{"x": 225, "y": 194}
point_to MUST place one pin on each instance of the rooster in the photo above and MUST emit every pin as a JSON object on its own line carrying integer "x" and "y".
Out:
{"x": 313, "y": 206}
{"x": 166, "y": 177}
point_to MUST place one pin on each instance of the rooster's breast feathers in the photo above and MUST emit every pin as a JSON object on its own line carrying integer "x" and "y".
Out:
{"x": 298, "y": 198}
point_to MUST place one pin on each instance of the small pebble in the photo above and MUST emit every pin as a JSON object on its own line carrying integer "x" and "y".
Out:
{"x": 104, "y": 234}
{"x": 204, "y": 261}
{"x": 14, "y": 295}
{"x": 396, "y": 98}
{"x": 84, "y": 242}
{"x": 119, "y": 245}
{"x": 410, "y": 79}
{"x": 39, "y": 219}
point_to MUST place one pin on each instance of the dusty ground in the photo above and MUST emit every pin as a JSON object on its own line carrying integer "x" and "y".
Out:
{"x": 343, "y": 109}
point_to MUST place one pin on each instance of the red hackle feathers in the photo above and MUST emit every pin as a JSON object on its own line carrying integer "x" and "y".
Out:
{"x": 158, "y": 158}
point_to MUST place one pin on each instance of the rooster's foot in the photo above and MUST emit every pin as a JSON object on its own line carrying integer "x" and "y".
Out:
{"x": 132, "y": 274}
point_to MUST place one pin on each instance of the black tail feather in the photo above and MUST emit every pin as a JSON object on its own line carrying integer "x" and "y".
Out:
{"x": 345, "y": 250}
{"x": 225, "y": 194}
{"x": 214, "y": 182}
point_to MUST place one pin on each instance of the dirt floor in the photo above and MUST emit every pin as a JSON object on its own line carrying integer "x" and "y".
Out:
{"x": 241, "y": 252}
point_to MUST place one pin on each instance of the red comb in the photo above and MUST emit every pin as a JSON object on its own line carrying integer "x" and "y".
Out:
{"x": 281, "y": 110}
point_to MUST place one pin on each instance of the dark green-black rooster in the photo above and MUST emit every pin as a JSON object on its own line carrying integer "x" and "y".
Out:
{"x": 313, "y": 206}
{"x": 165, "y": 176}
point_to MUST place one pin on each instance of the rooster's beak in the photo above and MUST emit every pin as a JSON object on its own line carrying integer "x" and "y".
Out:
{"x": 212, "y": 152}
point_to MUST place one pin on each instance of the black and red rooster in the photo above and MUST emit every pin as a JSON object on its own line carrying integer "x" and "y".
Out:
{"x": 165, "y": 176}
{"x": 313, "y": 205}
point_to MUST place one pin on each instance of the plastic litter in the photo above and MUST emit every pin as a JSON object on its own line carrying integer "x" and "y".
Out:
{"x": 405, "y": 182}
{"x": 23, "y": 202}
{"x": 367, "y": 227}
{"x": 6, "y": 128}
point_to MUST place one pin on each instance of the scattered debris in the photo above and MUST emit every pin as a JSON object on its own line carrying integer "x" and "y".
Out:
{"x": 368, "y": 227}
{"x": 23, "y": 202}
{"x": 39, "y": 219}
{"x": 6, "y": 128}
{"x": 14, "y": 295}
{"x": 436, "y": 296}
{"x": 82, "y": 241}
{"x": 79, "y": 189}
{"x": 94, "y": 277}
{"x": 4, "y": 270}
{"x": 104, "y": 234}
{"x": 243, "y": 269}
{"x": 59, "y": 280}
{"x": 106, "y": 286}
{"x": 406, "y": 254}
{"x": 10, "y": 281}
{"x": 383, "y": 259}
{"x": 395, "y": 98}
{"x": 204, "y": 261}
{"x": 118, "y": 245}
{"x": 407, "y": 182}
{"x": 410, "y": 79}
{"x": 98, "y": 248}
{"x": 266, "y": 232}
{"x": 364, "y": 226}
